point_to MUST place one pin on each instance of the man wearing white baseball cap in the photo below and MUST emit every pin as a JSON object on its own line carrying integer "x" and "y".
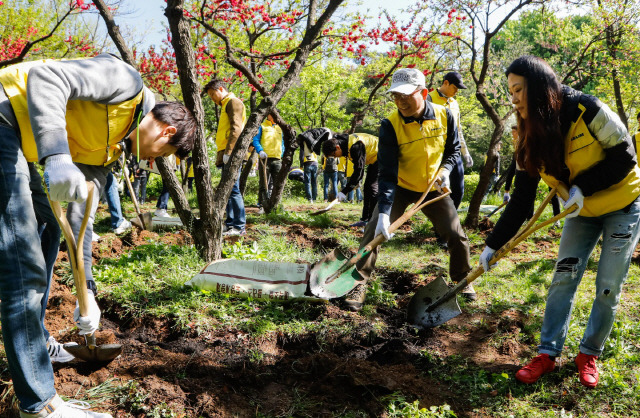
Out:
{"x": 416, "y": 141}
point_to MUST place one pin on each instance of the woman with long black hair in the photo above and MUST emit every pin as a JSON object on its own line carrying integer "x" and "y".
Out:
{"x": 570, "y": 137}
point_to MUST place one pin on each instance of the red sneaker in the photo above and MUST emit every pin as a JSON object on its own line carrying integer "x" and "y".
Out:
{"x": 538, "y": 366}
{"x": 587, "y": 369}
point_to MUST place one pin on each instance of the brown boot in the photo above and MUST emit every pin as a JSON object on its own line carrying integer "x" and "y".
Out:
{"x": 354, "y": 300}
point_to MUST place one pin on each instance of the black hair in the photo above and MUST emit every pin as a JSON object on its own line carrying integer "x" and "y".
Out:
{"x": 214, "y": 84}
{"x": 514, "y": 127}
{"x": 176, "y": 114}
{"x": 638, "y": 117}
{"x": 330, "y": 146}
{"x": 541, "y": 142}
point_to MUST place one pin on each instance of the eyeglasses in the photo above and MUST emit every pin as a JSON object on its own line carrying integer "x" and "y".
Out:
{"x": 399, "y": 96}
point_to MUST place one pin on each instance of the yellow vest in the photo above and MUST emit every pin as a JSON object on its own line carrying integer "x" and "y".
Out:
{"x": 420, "y": 148}
{"x": 637, "y": 139}
{"x": 312, "y": 157}
{"x": 583, "y": 151}
{"x": 271, "y": 140}
{"x": 224, "y": 124}
{"x": 370, "y": 144}
{"x": 94, "y": 130}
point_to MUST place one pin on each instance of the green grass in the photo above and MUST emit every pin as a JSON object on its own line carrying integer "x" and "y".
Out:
{"x": 149, "y": 281}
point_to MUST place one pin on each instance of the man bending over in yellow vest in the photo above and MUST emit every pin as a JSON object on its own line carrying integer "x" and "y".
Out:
{"x": 76, "y": 117}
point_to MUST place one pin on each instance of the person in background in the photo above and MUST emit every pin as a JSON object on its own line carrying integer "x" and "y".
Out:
{"x": 118, "y": 224}
{"x": 76, "y": 117}
{"x": 190, "y": 174}
{"x": 330, "y": 175}
{"x": 140, "y": 178}
{"x": 269, "y": 145}
{"x": 232, "y": 119}
{"x": 571, "y": 137}
{"x": 362, "y": 151}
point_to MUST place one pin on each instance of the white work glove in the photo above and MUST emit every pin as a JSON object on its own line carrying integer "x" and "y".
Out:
{"x": 575, "y": 197}
{"x": 341, "y": 197}
{"x": 263, "y": 155}
{"x": 225, "y": 158}
{"x": 485, "y": 257}
{"x": 506, "y": 197}
{"x": 64, "y": 181}
{"x": 90, "y": 323}
{"x": 468, "y": 161}
{"x": 444, "y": 180}
{"x": 383, "y": 226}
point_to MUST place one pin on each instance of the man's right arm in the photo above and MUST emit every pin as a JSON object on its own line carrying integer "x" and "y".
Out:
{"x": 256, "y": 140}
{"x": 387, "y": 166}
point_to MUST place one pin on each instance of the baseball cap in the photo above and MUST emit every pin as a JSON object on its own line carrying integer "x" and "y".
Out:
{"x": 406, "y": 81}
{"x": 455, "y": 79}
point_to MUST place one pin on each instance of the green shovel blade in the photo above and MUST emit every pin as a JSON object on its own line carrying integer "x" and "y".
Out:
{"x": 338, "y": 286}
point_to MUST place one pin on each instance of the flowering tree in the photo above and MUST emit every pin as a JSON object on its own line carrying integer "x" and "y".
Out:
{"x": 29, "y": 27}
{"x": 307, "y": 24}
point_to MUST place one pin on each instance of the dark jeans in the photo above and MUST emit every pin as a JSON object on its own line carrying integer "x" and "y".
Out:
{"x": 370, "y": 190}
{"x": 330, "y": 179}
{"x": 311, "y": 180}
{"x": 163, "y": 199}
{"x": 457, "y": 183}
{"x": 443, "y": 216}
{"x": 140, "y": 188}
{"x": 235, "y": 206}
{"x": 273, "y": 167}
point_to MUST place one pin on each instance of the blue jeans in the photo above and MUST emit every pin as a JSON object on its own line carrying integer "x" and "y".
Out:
{"x": 140, "y": 188}
{"x": 113, "y": 201}
{"x": 236, "y": 217}
{"x": 24, "y": 274}
{"x": 311, "y": 181}
{"x": 330, "y": 179}
{"x": 580, "y": 235}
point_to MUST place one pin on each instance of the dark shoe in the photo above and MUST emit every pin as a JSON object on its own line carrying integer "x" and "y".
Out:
{"x": 587, "y": 370}
{"x": 359, "y": 224}
{"x": 538, "y": 366}
{"x": 354, "y": 300}
{"x": 440, "y": 242}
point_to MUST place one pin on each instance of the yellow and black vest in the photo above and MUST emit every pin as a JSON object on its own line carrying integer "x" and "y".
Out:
{"x": 370, "y": 144}
{"x": 583, "y": 151}
{"x": 94, "y": 130}
{"x": 311, "y": 157}
{"x": 224, "y": 124}
{"x": 420, "y": 148}
{"x": 271, "y": 140}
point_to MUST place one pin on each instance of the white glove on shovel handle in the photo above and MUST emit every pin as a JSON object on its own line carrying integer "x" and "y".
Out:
{"x": 341, "y": 197}
{"x": 90, "y": 323}
{"x": 64, "y": 181}
{"x": 383, "y": 226}
{"x": 575, "y": 197}
{"x": 444, "y": 182}
{"x": 263, "y": 155}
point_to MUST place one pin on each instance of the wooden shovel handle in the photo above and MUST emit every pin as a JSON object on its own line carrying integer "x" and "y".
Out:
{"x": 560, "y": 189}
{"x": 76, "y": 253}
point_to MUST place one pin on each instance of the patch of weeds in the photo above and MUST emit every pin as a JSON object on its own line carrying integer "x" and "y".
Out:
{"x": 162, "y": 411}
{"x": 398, "y": 407}
{"x": 132, "y": 398}
{"x": 377, "y": 295}
{"x": 239, "y": 251}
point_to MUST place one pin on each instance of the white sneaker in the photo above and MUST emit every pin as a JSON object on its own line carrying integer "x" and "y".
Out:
{"x": 234, "y": 231}
{"x": 57, "y": 353}
{"x": 124, "y": 226}
{"x": 95, "y": 237}
{"x": 162, "y": 213}
{"x": 58, "y": 408}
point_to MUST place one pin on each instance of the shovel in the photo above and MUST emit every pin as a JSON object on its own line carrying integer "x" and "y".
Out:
{"x": 495, "y": 210}
{"x": 436, "y": 303}
{"x": 90, "y": 352}
{"x": 334, "y": 276}
{"x": 327, "y": 209}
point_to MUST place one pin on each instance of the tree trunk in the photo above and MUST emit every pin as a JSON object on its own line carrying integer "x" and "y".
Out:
{"x": 617, "y": 91}
{"x": 207, "y": 230}
{"x": 114, "y": 33}
{"x": 246, "y": 170}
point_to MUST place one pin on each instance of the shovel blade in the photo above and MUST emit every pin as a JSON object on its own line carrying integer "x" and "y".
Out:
{"x": 101, "y": 353}
{"x": 418, "y": 313}
{"x": 337, "y": 287}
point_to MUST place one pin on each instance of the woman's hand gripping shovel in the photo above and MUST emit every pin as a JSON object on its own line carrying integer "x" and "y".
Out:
{"x": 89, "y": 352}
{"x": 436, "y": 303}
{"x": 334, "y": 276}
